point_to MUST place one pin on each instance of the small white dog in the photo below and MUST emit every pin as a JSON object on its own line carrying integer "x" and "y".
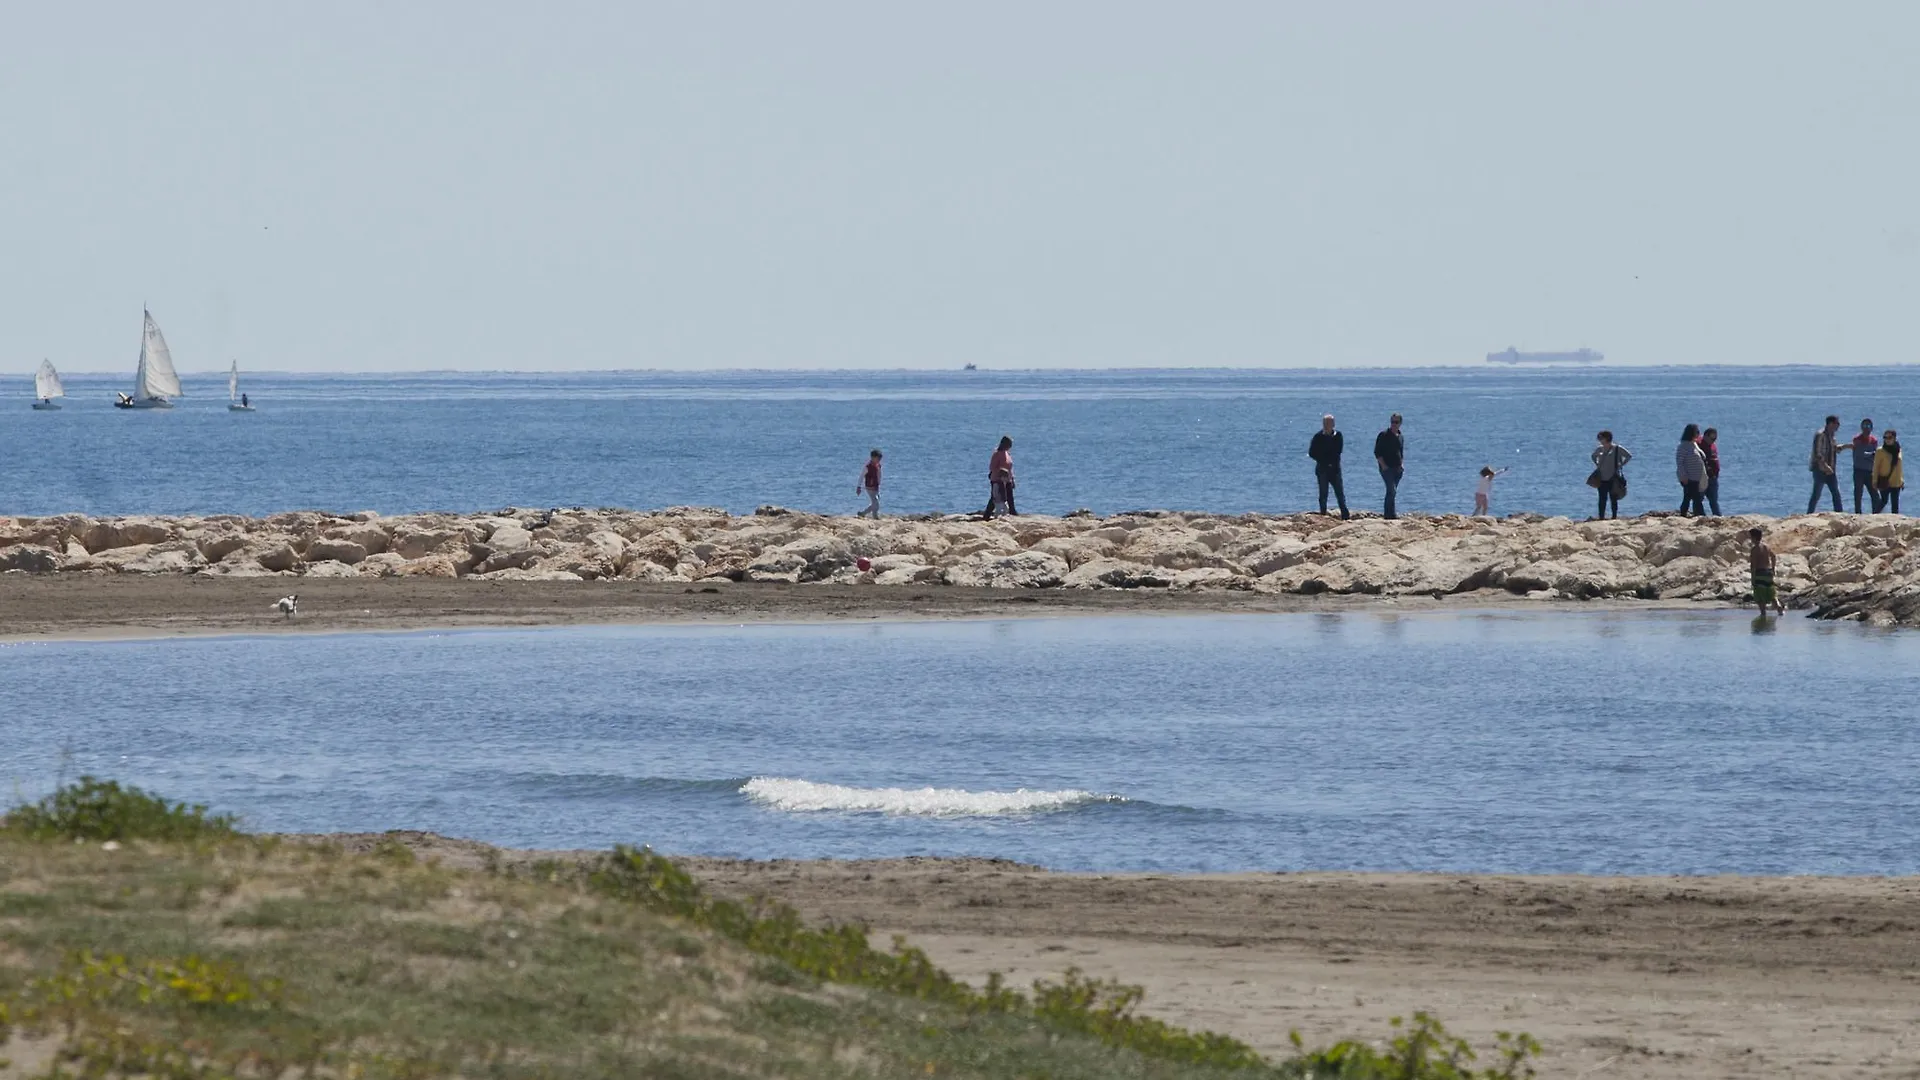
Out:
{"x": 288, "y": 605}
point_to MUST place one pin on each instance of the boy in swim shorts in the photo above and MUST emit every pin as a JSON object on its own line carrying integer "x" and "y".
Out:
{"x": 1763, "y": 560}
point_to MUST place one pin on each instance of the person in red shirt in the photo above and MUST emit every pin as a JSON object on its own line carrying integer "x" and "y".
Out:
{"x": 1000, "y": 478}
{"x": 870, "y": 483}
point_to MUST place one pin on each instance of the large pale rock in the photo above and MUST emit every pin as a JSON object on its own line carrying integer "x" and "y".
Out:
{"x": 382, "y": 564}
{"x": 217, "y": 546}
{"x": 330, "y": 569}
{"x": 372, "y": 539}
{"x": 648, "y": 571}
{"x": 278, "y": 557}
{"x": 1107, "y": 573}
{"x": 509, "y": 538}
{"x": 172, "y": 557}
{"x": 327, "y": 549}
{"x": 1026, "y": 570}
{"x": 113, "y": 533}
{"x": 238, "y": 568}
{"x": 436, "y": 566}
{"x": 540, "y": 574}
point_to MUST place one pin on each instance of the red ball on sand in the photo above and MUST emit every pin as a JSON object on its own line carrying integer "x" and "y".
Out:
{"x": 863, "y": 564}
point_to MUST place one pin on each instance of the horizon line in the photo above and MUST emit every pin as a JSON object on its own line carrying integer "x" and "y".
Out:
{"x": 1604, "y": 365}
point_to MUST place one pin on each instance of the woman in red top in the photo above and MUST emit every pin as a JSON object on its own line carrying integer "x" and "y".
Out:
{"x": 1000, "y": 478}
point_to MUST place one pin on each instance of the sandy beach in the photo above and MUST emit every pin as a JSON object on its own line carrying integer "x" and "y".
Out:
{"x": 1644, "y": 977}
{"x": 48, "y": 607}
{"x": 1705, "y": 978}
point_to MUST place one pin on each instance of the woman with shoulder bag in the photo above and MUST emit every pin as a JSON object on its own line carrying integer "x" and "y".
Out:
{"x": 1609, "y": 459}
{"x": 1888, "y": 477}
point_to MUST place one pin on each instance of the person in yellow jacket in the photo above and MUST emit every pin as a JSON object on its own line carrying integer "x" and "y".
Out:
{"x": 1887, "y": 478}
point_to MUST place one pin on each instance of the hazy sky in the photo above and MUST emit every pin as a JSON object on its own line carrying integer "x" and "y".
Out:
{"x": 488, "y": 185}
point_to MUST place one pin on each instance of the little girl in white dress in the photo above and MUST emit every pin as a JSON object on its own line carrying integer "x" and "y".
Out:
{"x": 1484, "y": 492}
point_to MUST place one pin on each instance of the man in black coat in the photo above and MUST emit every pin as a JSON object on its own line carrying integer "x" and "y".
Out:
{"x": 1390, "y": 453}
{"x": 1325, "y": 451}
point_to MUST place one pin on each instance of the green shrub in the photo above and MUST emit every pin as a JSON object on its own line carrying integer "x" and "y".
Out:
{"x": 92, "y": 809}
{"x": 840, "y": 953}
{"x": 1424, "y": 1051}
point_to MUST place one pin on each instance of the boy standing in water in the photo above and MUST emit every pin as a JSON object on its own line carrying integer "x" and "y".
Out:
{"x": 1764, "y": 592}
{"x": 870, "y": 483}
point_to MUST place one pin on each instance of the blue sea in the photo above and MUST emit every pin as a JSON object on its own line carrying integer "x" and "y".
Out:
{"x": 1548, "y": 740}
{"x": 1225, "y": 441}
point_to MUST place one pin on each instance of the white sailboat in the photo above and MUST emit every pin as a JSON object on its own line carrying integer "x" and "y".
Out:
{"x": 235, "y": 403}
{"x": 154, "y": 381}
{"x": 46, "y": 386}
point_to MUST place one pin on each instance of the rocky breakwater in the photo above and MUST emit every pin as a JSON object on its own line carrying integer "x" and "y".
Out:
{"x": 1840, "y": 566}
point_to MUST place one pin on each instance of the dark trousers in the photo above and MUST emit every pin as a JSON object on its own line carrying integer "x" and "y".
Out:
{"x": 1692, "y": 500}
{"x": 1002, "y": 494}
{"x": 1389, "y": 477}
{"x": 1828, "y": 481}
{"x": 1713, "y": 495}
{"x": 1330, "y": 477}
{"x": 1888, "y": 500}
{"x": 1607, "y": 496}
{"x": 1863, "y": 481}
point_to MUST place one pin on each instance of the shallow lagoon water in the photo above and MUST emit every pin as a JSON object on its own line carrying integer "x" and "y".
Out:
{"x": 1549, "y": 741}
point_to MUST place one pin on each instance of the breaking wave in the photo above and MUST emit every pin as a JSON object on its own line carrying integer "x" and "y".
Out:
{"x": 804, "y": 796}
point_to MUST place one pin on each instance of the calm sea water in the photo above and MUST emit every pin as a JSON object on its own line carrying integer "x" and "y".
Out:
{"x": 1550, "y": 742}
{"x": 1223, "y": 441}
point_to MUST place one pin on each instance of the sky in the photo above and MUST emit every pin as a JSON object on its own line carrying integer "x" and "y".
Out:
{"x": 494, "y": 186}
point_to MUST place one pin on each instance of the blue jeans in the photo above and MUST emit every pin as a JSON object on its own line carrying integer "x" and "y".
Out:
{"x": 1391, "y": 478}
{"x": 1828, "y": 481}
{"x": 1713, "y": 495}
{"x": 1863, "y": 481}
{"x": 1330, "y": 477}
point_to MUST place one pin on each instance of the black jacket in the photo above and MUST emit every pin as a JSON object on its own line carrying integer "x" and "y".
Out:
{"x": 1390, "y": 448}
{"x": 1326, "y": 449}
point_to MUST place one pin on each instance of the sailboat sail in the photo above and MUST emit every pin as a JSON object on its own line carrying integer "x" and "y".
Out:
{"x": 46, "y": 382}
{"x": 155, "y": 378}
{"x": 233, "y": 382}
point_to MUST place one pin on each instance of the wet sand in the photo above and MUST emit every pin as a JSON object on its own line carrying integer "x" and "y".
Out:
{"x": 35, "y": 606}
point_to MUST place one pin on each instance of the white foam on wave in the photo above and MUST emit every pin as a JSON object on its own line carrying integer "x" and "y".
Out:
{"x": 805, "y": 796}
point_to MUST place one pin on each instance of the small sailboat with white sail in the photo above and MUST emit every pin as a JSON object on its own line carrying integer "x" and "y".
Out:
{"x": 46, "y": 387}
{"x": 154, "y": 381}
{"x": 236, "y": 401}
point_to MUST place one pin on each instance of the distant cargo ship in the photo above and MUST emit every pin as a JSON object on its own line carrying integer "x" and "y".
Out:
{"x": 1515, "y": 356}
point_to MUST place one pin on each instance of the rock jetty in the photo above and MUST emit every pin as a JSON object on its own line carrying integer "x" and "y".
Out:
{"x": 1838, "y": 565}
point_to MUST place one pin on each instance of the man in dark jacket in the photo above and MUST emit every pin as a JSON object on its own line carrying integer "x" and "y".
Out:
{"x": 1325, "y": 451}
{"x": 1390, "y": 453}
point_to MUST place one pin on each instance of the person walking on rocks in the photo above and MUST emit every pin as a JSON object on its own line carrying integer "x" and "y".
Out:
{"x": 1710, "y": 448}
{"x": 1609, "y": 458}
{"x": 1000, "y": 478}
{"x": 870, "y": 483}
{"x": 1390, "y": 453}
{"x": 1822, "y": 463}
{"x": 1325, "y": 449}
{"x": 1691, "y": 466}
{"x": 1762, "y": 563}
{"x": 1865, "y": 446}
{"x": 1888, "y": 477}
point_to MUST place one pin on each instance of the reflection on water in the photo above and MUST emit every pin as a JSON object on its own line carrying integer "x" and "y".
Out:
{"x": 1520, "y": 741}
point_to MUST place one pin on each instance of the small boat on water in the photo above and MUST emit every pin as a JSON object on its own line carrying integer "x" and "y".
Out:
{"x": 236, "y": 401}
{"x": 154, "y": 381}
{"x": 46, "y": 387}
